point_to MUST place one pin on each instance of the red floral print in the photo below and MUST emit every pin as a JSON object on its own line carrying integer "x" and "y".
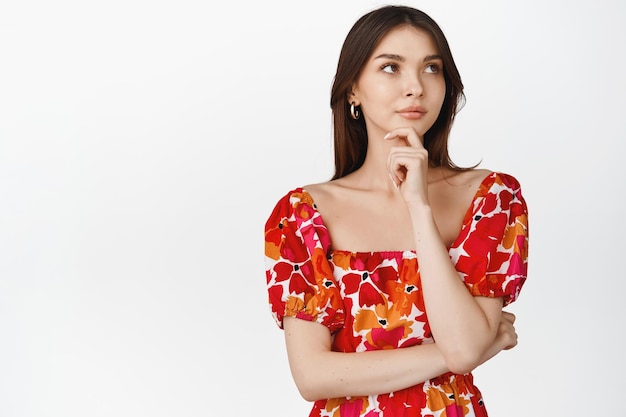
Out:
{"x": 373, "y": 301}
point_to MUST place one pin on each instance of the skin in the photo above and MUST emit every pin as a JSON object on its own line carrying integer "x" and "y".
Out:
{"x": 396, "y": 202}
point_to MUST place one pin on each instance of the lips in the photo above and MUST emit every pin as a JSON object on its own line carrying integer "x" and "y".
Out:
{"x": 412, "y": 112}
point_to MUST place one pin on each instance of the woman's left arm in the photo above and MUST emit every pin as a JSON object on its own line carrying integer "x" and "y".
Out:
{"x": 464, "y": 326}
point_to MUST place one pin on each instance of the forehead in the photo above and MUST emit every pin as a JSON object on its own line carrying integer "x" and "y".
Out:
{"x": 408, "y": 40}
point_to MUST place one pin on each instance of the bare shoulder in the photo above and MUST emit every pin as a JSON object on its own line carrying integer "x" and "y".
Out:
{"x": 324, "y": 193}
{"x": 451, "y": 194}
{"x": 476, "y": 176}
{"x": 319, "y": 190}
{"x": 468, "y": 178}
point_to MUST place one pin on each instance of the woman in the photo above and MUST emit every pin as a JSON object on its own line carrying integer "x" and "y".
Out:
{"x": 389, "y": 280}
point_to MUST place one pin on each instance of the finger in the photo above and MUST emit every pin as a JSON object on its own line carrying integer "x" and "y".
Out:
{"x": 408, "y": 155}
{"x": 399, "y": 163}
{"x": 409, "y": 135}
{"x": 513, "y": 343}
{"x": 509, "y": 336}
{"x": 508, "y": 316}
{"x": 403, "y": 165}
{"x": 395, "y": 180}
{"x": 511, "y": 346}
{"x": 397, "y": 172}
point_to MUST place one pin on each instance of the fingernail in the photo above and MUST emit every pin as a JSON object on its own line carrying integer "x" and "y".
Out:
{"x": 392, "y": 181}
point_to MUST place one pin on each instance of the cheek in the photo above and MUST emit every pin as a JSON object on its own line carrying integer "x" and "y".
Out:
{"x": 376, "y": 98}
{"x": 439, "y": 95}
{"x": 440, "y": 92}
{"x": 441, "y": 86}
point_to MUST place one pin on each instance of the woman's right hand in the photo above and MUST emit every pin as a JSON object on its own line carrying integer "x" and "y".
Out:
{"x": 506, "y": 337}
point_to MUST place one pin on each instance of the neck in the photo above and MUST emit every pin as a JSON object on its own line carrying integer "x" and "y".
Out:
{"x": 374, "y": 174}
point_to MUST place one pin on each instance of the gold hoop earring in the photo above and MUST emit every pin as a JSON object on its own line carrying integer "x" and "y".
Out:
{"x": 354, "y": 112}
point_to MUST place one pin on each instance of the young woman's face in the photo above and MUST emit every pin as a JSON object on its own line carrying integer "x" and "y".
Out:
{"x": 402, "y": 83}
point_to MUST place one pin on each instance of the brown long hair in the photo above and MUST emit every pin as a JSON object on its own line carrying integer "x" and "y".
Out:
{"x": 350, "y": 136}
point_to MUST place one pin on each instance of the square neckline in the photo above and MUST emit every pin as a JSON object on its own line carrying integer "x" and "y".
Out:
{"x": 406, "y": 252}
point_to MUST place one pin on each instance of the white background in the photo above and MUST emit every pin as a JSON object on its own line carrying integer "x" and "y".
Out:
{"x": 144, "y": 143}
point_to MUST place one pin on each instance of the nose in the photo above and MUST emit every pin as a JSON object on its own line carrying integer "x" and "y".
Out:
{"x": 414, "y": 87}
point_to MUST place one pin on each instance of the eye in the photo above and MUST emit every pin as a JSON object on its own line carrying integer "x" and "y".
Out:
{"x": 390, "y": 68}
{"x": 433, "y": 68}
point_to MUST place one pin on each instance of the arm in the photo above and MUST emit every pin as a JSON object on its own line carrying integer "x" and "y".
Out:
{"x": 321, "y": 373}
{"x": 464, "y": 326}
{"x": 300, "y": 283}
{"x": 505, "y": 339}
{"x": 317, "y": 371}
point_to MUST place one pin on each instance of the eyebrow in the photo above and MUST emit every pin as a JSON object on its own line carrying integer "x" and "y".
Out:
{"x": 400, "y": 58}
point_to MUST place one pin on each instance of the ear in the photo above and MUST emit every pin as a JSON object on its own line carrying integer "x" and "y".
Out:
{"x": 352, "y": 97}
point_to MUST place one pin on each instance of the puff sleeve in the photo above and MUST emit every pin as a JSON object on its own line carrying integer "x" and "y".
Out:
{"x": 300, "y": 280}
{"x": 491, "y": 255}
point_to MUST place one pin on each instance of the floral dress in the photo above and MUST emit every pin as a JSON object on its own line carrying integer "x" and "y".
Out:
{"x": 373, "y": 300}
